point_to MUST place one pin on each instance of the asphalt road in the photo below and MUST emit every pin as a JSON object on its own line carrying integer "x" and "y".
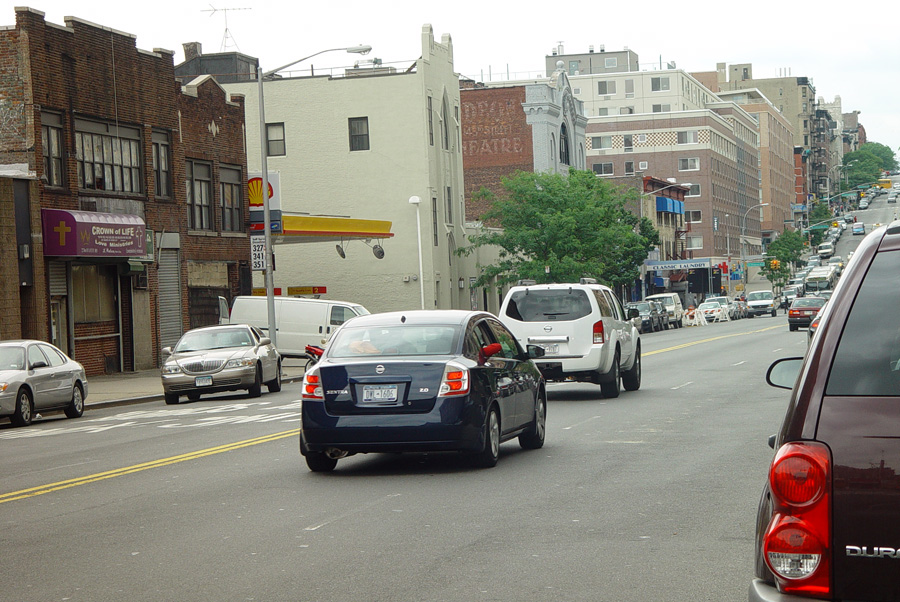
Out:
{"x": 650, "y": 496}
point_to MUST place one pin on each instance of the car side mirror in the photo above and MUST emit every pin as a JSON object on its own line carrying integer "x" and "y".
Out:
{"x": 633, "y": 313}
{"x": 39, "y": 364}
{"x": 783, "y": 373}
{"x": 491, "y": 350}
{"x": 265, "y": 341}
{"x": 535, "y": 351}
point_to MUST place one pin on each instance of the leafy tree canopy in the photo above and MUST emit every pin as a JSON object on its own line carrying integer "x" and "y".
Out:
{"x": 863, "y": 167}
{"x": 888, "y": 159}
{"x": 788, "y": 249}
{"x": 577, "y": 225}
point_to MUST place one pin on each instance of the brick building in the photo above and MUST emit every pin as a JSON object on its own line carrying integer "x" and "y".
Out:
{"x": 125, "y": 192}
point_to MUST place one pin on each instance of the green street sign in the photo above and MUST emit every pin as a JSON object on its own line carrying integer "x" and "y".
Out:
{"x": 755, "y": 264}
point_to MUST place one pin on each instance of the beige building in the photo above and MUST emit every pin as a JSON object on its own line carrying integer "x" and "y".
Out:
{"x": 362, "y": 146}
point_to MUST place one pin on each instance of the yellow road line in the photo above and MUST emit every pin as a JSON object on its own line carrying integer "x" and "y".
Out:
{"x": 118, "y": 472}
{"x": 724, "y": 336}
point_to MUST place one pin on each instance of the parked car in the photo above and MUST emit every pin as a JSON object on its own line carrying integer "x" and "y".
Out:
{"x": 802, "y": 311}
{"x": 760, "y": 303}
{"x": 827, "y": 525}
{"x": 742, "y": 310}
{"x": 584, "y": 330}
{"x": 649, "y": 319}
{"x": 713, "y": 311}
{"x": 663, "y": 314}
{"x": 425, "y": 380}
{"x": 212, "y": 359}
{"x": 673, "y": 305}
{"x": 37, "y": 377}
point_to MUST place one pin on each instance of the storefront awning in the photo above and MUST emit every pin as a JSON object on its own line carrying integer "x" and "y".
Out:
{"x": 92, "y": 234}
{"x": 314, "y": 228}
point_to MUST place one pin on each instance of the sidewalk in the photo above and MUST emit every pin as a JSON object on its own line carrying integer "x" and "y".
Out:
{"x": 138, "y": 387}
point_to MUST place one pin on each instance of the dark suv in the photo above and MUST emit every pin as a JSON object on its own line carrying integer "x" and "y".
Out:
{"x": 828, "y": 525}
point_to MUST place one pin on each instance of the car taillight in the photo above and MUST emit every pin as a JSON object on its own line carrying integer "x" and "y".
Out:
{"x": 599, "y": 335}
{"x": 455, "y": 380}
{"x": 312, "y": 385}
{"x": 793, "y": 312}
{"x": 797, "y": 541}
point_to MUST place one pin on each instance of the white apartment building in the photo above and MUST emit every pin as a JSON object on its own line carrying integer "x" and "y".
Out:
{"x": 362, "y": 146}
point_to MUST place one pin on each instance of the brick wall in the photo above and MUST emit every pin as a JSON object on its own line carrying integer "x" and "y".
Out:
{"x": 496, "y": 141}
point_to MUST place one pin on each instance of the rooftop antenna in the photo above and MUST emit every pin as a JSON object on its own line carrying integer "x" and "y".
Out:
{"x": 212, "y": 10}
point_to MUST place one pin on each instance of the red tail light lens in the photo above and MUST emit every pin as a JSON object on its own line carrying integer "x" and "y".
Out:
{"x": 796, "y": 544}
{"x": 599, "y": 334}
{"x": 455, "y": 380}
{"x": 312, "y": 385}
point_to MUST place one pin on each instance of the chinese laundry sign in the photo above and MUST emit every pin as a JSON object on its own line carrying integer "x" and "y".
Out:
{"x": 92, "y": 234}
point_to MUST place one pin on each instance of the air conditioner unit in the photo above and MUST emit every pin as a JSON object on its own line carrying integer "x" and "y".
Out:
{"x": 607, "y": 98}
{"x": 576, "y": 91}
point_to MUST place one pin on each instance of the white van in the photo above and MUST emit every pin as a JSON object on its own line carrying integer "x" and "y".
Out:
{"x": 298, "y": 322}
{"x": 674, "y": 308}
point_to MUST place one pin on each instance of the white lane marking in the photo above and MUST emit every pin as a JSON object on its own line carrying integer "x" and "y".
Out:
{"x": 352, "y": 512}
{"x": 690, "y": 382}
{"x": 566, "y": 428}
{"x": 739, "y": 363}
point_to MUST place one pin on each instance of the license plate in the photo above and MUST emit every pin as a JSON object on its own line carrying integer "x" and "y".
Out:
{"x": 551, "y": 349}
{"x": 203, "y": 381}
{"x": 379, "y": 393}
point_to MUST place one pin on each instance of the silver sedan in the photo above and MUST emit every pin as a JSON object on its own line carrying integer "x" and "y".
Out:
{"x": 36, "y": 377}
{"x": 212, "y": 359}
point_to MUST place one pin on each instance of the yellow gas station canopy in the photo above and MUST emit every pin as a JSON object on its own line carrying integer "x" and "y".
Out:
{"x": 313, "y": 228}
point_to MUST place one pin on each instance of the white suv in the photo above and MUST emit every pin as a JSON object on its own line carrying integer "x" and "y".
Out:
{"x": 585, "y": 333}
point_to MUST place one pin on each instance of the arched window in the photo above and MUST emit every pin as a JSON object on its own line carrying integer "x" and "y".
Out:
{"x": 564, "y": 145}
{"x": 553, "y": 150}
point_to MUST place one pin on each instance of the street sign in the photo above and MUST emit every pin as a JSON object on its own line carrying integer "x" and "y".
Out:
{"x": 261, "y": 292}
{"x": 755, "y": 264}
{"x": 306, "y": 290}
{"x": 257, "y": 253}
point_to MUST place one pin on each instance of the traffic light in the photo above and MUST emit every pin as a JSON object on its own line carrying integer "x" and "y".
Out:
{"x": 775, "y": 264}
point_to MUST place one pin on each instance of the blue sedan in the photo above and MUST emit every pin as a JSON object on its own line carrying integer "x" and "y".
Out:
{"x": 422, "y": 381}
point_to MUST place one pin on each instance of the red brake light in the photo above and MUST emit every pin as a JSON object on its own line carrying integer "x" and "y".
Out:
{"x": 455, "y": 381}
{"x": 599, "y": 334}
{"x": 796, "y": 544}
{"x": 312, "y": 385}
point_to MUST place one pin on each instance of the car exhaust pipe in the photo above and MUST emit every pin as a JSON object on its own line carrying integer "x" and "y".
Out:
{"x": 335, "y": 453}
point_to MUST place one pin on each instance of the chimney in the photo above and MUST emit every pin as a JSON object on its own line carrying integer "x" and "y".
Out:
{"x": 192, "y": 50}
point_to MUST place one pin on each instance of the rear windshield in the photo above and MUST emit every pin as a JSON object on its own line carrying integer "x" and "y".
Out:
{"x": 544, "y": 305}
{"x": 667, "y": 301}
{"x": 867, "y": 361}
{"x": 401, "y": 339}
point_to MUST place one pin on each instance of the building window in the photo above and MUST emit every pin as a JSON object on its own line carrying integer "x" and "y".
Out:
{"x": 694, "y": 191}
{"x": 94, "y": 292}
{"x": 689, "y": 137}
{"x": 51, "y": 148}
{"x": 803, "y": 92}
{"x": 108, "y": 156}
{"x": 691, "y": 164}
{"x": 564, "y": 145}
{"x": 694, "y": 243}
{"x": 606, "y": 88}
{"x": 603, "y": 112}
{"x": 610, "y": 62}
{"x": 434, "y": 219}
{"x": 603, "y": 169}
{"x": 198, "y": 183}
{"x": 642, "y": 166}
{"x": 445, "y": 127}
{"x": 449, "y": 206}
{"x": 359, "y": 133}
{"x": 573, "y": 67}
{"x": 805, "y": 107}
{"x": 430, "y": 121}
{"x": 628, "y": 142}
{"x": 231, "y": 184}
{"x": 693, "y": 217}
{"x": 275, "y": 146}
{"x": 626, "y": 111}
{"x": 629, "y": 168}
{"x": 601, "y": 142}
{"x": 659, "y": 84}
{"x": 629, "y": 88}
{"x": 662, "y": 108}
{"x": 162, "y": 168}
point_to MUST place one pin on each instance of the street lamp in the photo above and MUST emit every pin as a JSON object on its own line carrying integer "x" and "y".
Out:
{"x": 743, "y": 242}
{"x": 264, "y": 153}
{"x": 414, "y": 200}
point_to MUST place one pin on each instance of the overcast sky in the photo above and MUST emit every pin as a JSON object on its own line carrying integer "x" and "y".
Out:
{"x": 850, "y": 53}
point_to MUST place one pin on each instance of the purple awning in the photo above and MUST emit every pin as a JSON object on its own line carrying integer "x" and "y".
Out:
{"x": 92, "y": 234}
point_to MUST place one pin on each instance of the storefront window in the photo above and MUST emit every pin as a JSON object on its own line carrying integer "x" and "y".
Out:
{"x": 94, "y": 293}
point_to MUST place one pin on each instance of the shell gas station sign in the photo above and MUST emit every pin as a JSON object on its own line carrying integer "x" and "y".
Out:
{"x": 256, "y": 198}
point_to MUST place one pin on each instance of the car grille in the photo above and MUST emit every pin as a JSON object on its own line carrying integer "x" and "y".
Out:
{"x": 198, "y": 367}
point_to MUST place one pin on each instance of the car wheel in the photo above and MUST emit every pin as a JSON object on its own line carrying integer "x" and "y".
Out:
{"x": 24, "y": 412}
{"x": 612, "y": 388}
{"x": 793, "y": 327}
{"x": 274, "y": 386}
{"x": 681, "y": 323}
{"x": 533, "y": 438}
{"x": 631, "y": 378}
{"x": 171, "y": 399}
{"x": 488, "y": 456}
{"x": 320, "y": 461}
{"x": 76, "y": 407}
{"x": 256, "y": 389}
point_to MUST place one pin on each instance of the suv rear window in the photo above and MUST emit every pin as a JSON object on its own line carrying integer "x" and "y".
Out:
{"x": 545, "y": 305}
{"x": 867, "y": 358}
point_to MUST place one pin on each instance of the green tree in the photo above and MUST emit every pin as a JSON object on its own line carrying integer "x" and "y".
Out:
{"x": 575, "y": 225}
{"x": 863, "y": 167}
{"x": 888, "y": 159}
{"x": 788, "y": 249}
